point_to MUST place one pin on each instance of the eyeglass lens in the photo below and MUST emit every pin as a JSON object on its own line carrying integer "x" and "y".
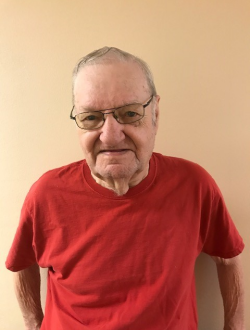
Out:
{"x": 124, "y": 115}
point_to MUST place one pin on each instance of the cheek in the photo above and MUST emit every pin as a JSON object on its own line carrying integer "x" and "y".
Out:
{"x": 88, "y": 142}
{"x": 143, "y": 144}
{"x": 147, "y": 144}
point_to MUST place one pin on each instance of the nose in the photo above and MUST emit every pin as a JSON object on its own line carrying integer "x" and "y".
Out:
{"x": 111, "y": 132}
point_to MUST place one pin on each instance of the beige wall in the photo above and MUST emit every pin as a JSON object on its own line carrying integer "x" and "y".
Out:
{"x": 199, "y": 52}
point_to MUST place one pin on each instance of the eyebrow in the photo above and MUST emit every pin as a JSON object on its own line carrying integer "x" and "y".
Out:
{"x": 86, "y": 109}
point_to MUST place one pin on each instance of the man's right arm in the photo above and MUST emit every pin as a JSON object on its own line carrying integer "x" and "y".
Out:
{"x": 27, "y": 284}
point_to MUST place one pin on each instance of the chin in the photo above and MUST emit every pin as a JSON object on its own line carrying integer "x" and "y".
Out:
{"x": 117, "y": 171}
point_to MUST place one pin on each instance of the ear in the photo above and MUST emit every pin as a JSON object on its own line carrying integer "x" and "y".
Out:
{"x": 157, "y": 110}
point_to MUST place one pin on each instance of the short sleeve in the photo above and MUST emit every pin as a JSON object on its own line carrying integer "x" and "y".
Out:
{"x": 222, "y": 239}
{"x": 22, "y": 254}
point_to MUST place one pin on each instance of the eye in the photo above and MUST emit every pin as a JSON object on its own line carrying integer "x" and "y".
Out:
{"x": 131, "y": 114}
{"x": 89, "y": 120}
{"x": 90, "y": 117}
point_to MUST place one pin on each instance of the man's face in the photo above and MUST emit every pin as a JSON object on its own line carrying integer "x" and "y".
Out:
{"x": 116, "y": 151}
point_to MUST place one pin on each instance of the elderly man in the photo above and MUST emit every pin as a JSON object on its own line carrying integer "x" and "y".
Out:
{"x": 120, "y": 231}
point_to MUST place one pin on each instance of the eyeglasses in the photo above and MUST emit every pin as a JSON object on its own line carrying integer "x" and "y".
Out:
{"x": 127, "y": 114}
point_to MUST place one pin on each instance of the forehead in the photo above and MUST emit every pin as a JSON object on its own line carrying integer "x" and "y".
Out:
{"x": 105, "y": 85}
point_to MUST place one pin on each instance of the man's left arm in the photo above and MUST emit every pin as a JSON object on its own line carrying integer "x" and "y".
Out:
{"x": 230, "y": 276}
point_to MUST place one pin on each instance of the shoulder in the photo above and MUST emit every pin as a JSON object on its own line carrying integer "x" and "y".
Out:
{"x": 183, "y": 171}
{"x": 56, "y": 180}
{"x": 180, "y": 165}
{"x": 63, "y": 171}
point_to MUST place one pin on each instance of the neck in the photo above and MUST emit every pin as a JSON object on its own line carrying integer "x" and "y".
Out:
{"x": 120, "y": 186}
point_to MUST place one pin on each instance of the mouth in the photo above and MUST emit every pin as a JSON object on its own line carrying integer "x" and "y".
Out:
{"x": 114, "y": 151}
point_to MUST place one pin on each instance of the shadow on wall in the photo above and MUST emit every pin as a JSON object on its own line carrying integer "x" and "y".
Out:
{"x": 209, "y": 301}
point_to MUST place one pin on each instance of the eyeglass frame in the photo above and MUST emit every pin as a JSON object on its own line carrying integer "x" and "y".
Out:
{"x": 113, "y": 112}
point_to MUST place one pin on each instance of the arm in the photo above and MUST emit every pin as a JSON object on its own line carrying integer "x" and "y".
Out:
{"x": 230, "y": 277}
{"x": 27, "y": 288}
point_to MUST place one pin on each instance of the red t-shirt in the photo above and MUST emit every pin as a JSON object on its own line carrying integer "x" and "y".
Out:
{"x": 123, "y": 263}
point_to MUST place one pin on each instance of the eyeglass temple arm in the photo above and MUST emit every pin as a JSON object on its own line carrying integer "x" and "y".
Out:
{"x": 145, "y": 105}
{"x": 71, "y": 116}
